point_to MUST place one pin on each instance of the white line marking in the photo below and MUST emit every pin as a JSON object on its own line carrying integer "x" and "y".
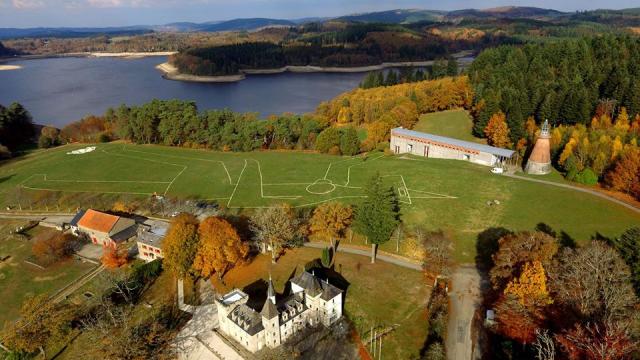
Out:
{"x": 238, "y": 183}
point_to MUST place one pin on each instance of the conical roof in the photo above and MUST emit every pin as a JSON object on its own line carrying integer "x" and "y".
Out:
{"x": 269, "y": 309}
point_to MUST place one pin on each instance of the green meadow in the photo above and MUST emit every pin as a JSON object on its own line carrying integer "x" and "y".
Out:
{"x": 452, "y": 196}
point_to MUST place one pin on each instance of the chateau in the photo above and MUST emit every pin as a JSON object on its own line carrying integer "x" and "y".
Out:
{"x": 312, "y": 301}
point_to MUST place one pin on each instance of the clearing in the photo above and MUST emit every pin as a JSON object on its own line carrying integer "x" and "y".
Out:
{"x": 453, "y": 196}
{"x": 457, "y": 124}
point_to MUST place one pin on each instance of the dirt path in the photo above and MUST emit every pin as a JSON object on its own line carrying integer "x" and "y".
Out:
{"x": 357, "y": 251}
{"x": 465, "y": 298}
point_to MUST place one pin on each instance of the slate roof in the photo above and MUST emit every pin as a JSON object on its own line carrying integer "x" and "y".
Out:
{"x": 308, "y": 282}
{"x": 125, "y": 234}
{"x": 451, "y": 141}
{"x": 293, "y": 306}
{"x": 76, "y": 218}
{"x": 247, "y": 318}
{"x": 269, "y": 310}
{"x": 314, "y": 286}
{"x": 152, "y": 234}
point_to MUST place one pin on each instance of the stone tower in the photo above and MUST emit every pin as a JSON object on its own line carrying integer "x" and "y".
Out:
{"x": 271, "y": 319}
{"x": 540, "y": 160}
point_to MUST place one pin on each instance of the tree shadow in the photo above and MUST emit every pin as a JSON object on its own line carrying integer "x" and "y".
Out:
{"x": 566, "y": 241}
{"x": 6, "y": 178}
{"x": 327, "y": 274}
{"x": 487, "y": 245}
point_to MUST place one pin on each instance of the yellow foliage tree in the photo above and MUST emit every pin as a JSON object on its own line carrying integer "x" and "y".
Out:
{"x": 330, "y": 220}
{"x": 531, "y": 128}
{"x": 123, "y": 207}
{"x": 497, "y": 131}
{"x": 530, "y": 288}
{"x": 616, "y": 148}
{"x": 180, "y": 244}
{"x": 344, "y": 116}
{"x": 622, "y": 122}
{"x": 219, "y": 248}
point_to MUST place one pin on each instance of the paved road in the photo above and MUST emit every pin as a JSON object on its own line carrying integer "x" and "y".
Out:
{"x": 465, "y": 299}
{"x": 576, "y": 188}
{"x": 357, "y": 251}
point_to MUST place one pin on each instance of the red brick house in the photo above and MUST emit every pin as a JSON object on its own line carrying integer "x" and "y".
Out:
{"x": 106, "y": 229}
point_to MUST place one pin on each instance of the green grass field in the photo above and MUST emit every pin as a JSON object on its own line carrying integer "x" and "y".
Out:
{"x": 19, "y": 279}
{"x": 452, "y": 123}
{"x": 437, "y": 194}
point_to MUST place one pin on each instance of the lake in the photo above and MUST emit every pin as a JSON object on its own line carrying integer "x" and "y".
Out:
{"x": 61, "y": 90}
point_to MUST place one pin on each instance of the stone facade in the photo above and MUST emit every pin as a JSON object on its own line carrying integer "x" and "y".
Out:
{"x": 405, "y": 141}
{"x": 312, "y": 301}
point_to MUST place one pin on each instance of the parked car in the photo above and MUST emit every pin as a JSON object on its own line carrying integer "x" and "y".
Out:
{"x": 497, "y": 170}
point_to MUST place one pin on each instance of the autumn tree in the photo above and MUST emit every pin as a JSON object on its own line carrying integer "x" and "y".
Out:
{"x": 625, "y": 176}
{"x": 49, "y": 250}
{"x": 276, "y": 227}
{"x": 377, "y": 216}
{"x": 180, "y": 244}
{"x": 331, "y": 220}
{"x": 597, "y": 341}
{"x": 41, "y": 322}
{"x": 516, "y": 321}
{"x": 530, "y": 288}
{"x": 515, "y": 250}
{"x": 115, "y": 333}
{"x": 113, "y": 258}
{"x": 220, "y": 248}
{"x": 437, "y": 247}
{"x": 497, "y": 131}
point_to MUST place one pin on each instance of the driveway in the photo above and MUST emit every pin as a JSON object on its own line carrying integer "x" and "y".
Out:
{"x": 465, "y": 298}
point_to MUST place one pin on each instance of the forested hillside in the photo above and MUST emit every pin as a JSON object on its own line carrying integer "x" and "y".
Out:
{"x": 324, "y": 45}
{"x": 562, "y": 82}
{"x": 5, "y": 51}
{"x": 16, "y": 128}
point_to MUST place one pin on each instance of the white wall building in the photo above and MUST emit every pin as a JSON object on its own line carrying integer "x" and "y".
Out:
{"x": 405, "y": 141}
{"x": 312, "y": 301}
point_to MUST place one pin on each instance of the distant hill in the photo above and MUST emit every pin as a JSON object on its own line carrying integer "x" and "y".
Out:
{"x": 506, "y": 12}
{"x": 396, "y": 16}
{"x": 5, "y": 51}
{"x": 10, "y": 33}
{"x": 244, "y": 24}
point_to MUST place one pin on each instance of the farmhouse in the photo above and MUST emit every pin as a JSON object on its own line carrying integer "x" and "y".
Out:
{"x": 104, "y": 229}
{"x": 312, "y": 301}
{"x": 405, "y": 141}
{"x": 150, "y": 236}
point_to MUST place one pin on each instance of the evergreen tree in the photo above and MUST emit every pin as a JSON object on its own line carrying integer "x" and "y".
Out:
{"x": 377, "y": 216}
{"x": 452, "y": 67}
{"x": 349, "y": 141}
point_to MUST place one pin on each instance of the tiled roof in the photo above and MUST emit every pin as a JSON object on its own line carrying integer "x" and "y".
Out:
{"x": 98, "y": 221}
{"x": 451, "y": 141}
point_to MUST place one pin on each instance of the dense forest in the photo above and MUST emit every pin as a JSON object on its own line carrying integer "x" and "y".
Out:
{"x": 355, "y": 45}
{"x": 16, "y": 129}
{"x": 439, "y": 69}
{"x": 562, "y": 82}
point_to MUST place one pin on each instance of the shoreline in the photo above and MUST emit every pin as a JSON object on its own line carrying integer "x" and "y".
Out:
{"x": 170, "y": 72}
{"x": 94, "y": 54}
{"x": 10, "y": 67}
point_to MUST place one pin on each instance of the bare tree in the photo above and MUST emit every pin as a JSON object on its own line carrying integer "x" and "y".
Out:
{"x": 544, "y": 345}
{"x": 595, "y": 281}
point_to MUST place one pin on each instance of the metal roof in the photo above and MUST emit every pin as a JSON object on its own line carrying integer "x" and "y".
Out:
{"x": 461, "y": 143}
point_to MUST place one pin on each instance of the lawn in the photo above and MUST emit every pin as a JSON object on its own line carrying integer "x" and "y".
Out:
{"x": 378, "y": 294}
{"x": 452, "y": 123}
{"x": 446, "y": 195}
{"x": 19, "y": 279}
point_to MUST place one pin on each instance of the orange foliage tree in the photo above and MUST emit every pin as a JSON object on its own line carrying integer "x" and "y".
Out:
{"x": 55, "y": 248}
{"x": 497, "y": 131}
{"x": 113, "y": 259}
{"x": 625, "y": 176}
{"x": 180, "y": 244}
{"x": 219, "y": 248}
{"x": 603, "y": 341}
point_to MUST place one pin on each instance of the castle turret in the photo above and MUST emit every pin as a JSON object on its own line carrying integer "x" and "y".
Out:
{"x": 270, "y": 318}
{"x": 539, "y": 162}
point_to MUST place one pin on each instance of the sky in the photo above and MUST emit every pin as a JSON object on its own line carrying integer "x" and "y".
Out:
{"x": 101, "y": 13}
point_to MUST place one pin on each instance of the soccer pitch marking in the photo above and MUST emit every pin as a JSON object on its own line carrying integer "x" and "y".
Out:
{"x": 405, "y": 194}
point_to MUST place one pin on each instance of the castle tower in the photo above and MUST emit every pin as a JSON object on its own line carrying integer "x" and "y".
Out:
{"x": 271, "y": 319}
{"x": 540, "y": 160}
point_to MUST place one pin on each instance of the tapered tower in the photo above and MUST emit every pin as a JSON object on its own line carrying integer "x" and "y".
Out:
{"x": 540, "y": 160}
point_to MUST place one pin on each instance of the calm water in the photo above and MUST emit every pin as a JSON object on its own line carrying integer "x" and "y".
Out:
{"x": 58, "y": 91}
